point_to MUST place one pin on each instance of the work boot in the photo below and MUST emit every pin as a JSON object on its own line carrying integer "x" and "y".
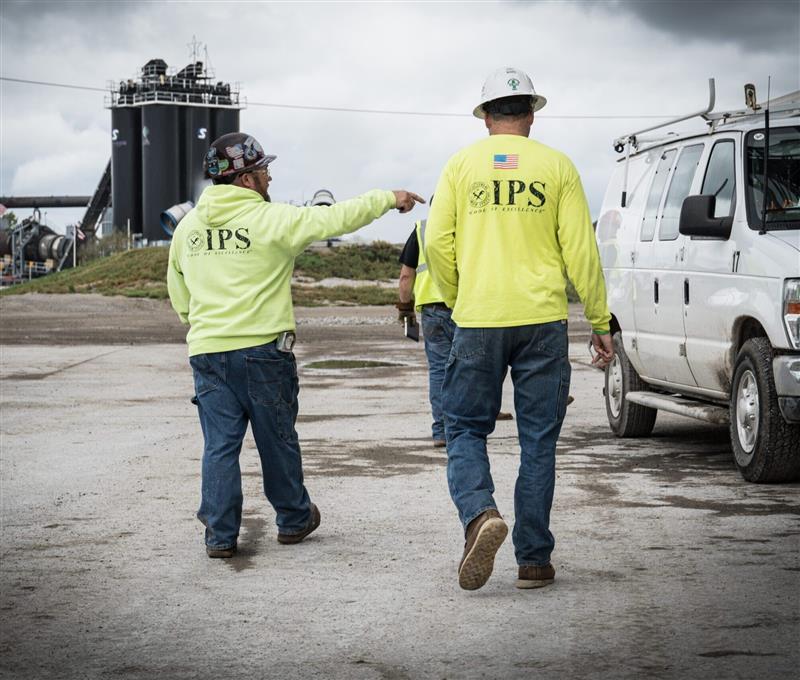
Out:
{"x": 439, "y": 443}
{"x": 535, "y": 577}
{"x": 485, "y": 535}
{"x": 503, "y": 415}
{"x": 220, "y": 552}
{"x": 313, "y": 523}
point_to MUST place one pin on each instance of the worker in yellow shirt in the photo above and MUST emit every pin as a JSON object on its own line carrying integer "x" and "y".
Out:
{"x": 509, "y": 225}
{"x": 229, "y": 278}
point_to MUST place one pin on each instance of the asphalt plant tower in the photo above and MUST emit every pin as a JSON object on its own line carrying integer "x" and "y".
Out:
{"x": 162, "y": 123}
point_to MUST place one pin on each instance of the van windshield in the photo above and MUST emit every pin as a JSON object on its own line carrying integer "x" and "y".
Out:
{"x": 783, "y": 183}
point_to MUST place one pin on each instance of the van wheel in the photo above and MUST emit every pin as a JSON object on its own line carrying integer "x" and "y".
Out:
{"x": 626, "y": 419}
{"x": 765, "y": 446}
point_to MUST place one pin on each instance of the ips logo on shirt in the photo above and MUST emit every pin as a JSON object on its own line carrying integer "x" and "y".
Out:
{"x": 479, "y": 194}
{"x": 195, "y": 240}
{"x": 219, "y": 241}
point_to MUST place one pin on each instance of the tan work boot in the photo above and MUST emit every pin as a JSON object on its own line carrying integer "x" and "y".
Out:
{"x": 535, "y": 577}
{"x": 485, "y": 535}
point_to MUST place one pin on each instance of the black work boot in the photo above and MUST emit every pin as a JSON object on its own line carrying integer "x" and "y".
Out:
{"x": 313, "y": 523}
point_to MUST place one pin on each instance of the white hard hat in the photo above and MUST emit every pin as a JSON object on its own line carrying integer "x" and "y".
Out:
{"x": 507, "y": 82}
{"x": 323, "y": 197}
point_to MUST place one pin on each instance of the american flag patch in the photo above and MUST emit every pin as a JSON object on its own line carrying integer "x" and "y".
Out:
{"x": 506, "y": 161}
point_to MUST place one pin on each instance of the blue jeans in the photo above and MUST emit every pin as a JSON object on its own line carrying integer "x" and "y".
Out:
{"x": 257, "y": 385}
{"x": 437, "y": 330}
{"x": 540, "y": 371}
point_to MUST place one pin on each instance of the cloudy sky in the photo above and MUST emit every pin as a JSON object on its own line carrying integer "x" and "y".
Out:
{"x": 606, "y": 68}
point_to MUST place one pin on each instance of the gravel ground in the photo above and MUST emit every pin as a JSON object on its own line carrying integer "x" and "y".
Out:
{"x": 668, "y": 564}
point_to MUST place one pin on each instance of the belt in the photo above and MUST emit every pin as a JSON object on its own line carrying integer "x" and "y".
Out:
{"x": 437, "y": 305}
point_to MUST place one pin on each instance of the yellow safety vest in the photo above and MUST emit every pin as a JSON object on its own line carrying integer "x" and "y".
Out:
{"x": 425, "y": 290}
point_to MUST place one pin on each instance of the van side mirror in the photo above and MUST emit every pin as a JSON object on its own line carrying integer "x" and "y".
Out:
{"x": 697, "y": 218}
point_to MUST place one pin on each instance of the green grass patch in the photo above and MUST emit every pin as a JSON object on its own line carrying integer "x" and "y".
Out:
{"x": 141, "y": 273}
{"x": 372, "y": 262}
{"x": 343, "y": 295}
{"x": 134, "y": 273}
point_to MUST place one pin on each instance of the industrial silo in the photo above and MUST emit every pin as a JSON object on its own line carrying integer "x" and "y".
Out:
{"x": 196, "y": 136}
{"x": 175, "y": 117}
{"x": 126, "y": 168}
{"x": 224, "y": 121}
{"x": 161, "y": 180}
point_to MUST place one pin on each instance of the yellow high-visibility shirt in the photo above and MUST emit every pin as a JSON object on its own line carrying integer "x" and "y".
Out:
{"x": 231, "y": 261}
{"x": 510, "y": 223}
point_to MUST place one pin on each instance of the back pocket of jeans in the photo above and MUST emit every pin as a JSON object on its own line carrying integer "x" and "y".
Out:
{"x": 468, "y": 343}
{"x": 205, "y": 379}
{"x": 553, "y": 339}
{"x": 267, "y": 382}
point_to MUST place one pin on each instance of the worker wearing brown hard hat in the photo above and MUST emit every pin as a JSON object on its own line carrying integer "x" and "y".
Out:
{"x": 229, "y": 278}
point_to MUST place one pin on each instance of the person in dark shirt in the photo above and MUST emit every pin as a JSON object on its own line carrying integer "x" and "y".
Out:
{"x": 418, "y": 292}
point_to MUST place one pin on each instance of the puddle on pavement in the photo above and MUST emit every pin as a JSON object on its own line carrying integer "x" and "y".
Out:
{"x": 253, "y": 531}
{"x": 341, "y": 364}
{"x": 679, "y": 460}
{"x": 733, "y": 652}
{"x": 321, "y": 418}
{"x": 326, "y": 458}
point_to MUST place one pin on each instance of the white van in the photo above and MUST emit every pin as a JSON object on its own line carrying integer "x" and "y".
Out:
{"x": 703, "y": 277}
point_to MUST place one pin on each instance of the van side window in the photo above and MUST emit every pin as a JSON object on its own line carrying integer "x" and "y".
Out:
{"x": 720, "y": 179}
{"x": 654, "y": 197}
{"x": 678, "y": 190}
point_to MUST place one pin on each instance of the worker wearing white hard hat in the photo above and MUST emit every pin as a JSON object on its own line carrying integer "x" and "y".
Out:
{"x": 508, "y": 82}
{"x": 509, "y": 225}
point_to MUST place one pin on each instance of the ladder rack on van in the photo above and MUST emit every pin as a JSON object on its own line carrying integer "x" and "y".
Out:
{"x": 787, "y": 105}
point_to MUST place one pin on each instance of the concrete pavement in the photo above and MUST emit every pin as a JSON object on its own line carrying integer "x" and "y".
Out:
{"x": 668, "y": 564}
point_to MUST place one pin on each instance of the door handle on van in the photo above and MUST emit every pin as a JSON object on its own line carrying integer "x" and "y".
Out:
{"x": 655, "y": 291}
{"x": 686, "y": 291}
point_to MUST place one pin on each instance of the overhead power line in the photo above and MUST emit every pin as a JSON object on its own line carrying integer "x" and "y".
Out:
{"x": 343, "y": 109}
{"x": 42, "y": 82}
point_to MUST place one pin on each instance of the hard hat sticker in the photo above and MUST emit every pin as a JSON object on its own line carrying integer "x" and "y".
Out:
{"x": 513, "y": 83}
{"x": 234, "y": 151}
{"x": 252, "y": 149}
{"x": 212, "y": 165}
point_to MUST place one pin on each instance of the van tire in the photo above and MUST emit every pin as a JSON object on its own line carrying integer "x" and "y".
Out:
{"x": 773, "y": 454}
{"x": 631, "y": 420}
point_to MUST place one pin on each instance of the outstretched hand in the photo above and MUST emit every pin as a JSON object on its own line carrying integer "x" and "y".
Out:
{"x": 405, "y": 200}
